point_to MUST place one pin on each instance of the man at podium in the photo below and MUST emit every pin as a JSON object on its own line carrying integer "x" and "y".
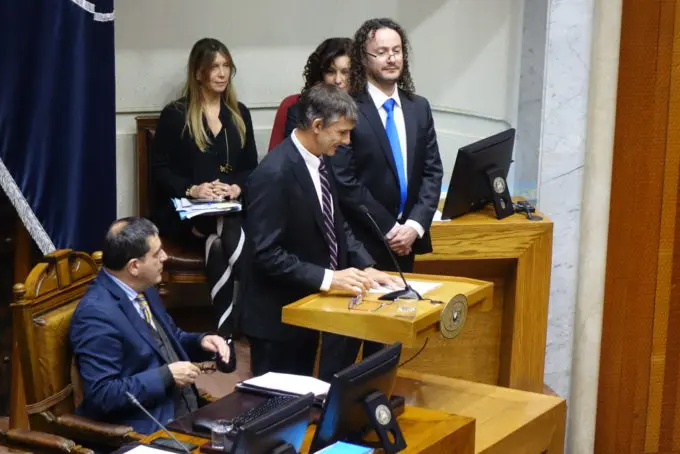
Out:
{"x": 301, "y": 243}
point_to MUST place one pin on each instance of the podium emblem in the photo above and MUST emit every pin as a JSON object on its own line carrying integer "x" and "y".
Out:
{"x": 453, "y": 316}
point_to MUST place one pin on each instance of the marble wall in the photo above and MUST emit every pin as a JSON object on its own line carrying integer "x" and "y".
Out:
{"x": 560, "y": 169}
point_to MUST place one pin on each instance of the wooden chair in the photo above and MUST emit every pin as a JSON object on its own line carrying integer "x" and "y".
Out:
{"x": 41, "y": 315}
{"x": 185, "y": 265}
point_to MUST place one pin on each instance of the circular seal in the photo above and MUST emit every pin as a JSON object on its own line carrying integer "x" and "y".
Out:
{"x": 499, "y": 185}
{"x": 383, "y": 414}
{"x": 452, "y": 317}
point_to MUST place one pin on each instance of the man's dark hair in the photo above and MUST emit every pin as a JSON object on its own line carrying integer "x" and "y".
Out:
{"x": 357, "y": 79}
{"x": 326, "y": 102}
{"x": 127, "y": 239}
{"x": 320, "y": 61}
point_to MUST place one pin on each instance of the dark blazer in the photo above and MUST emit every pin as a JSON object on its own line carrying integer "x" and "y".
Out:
{"x": 177, "y": 163}
{"x": 292, "y": 118}
{"x": 290, "y": 253}
{"x": 366, "y": 174}
{"x": 115, "y": 352}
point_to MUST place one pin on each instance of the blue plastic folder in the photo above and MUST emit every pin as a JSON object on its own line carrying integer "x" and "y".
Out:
{"x": 345, "y": 448}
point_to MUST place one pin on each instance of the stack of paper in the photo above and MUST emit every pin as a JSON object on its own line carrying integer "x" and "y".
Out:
{"x": 290, "y": 384}
{"x": 188, "y": 209}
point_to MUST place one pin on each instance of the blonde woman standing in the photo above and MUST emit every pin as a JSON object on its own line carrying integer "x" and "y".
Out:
{"x": 204, "y": 148}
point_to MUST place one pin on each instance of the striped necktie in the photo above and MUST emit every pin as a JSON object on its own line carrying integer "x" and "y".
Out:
{"x": 144, "y": 305}
{"x": 327, "y": 213}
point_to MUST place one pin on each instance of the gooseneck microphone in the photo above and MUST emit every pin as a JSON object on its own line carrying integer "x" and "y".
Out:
{"x": 134, "y": 400}
{"x": 408, "y": 291}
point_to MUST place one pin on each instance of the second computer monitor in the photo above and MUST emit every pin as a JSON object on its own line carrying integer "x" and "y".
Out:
{"x": 344, "y": 416}
{"x": 480, "y": 171}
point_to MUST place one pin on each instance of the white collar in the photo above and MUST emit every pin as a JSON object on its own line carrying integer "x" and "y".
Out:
{"x": 379, "y": 97}
{"x": 309, "y": 157}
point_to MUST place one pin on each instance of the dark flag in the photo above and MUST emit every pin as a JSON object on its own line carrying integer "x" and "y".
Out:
{"x": 57, "y": 119}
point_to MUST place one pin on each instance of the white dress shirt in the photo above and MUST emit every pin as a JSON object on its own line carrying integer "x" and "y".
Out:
{"x": 379, "y": 99}
{"x": 312, "y": 161}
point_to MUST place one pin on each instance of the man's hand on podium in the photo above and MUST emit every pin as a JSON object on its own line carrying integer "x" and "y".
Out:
{"x": 383, "y": 279}
{"x": 352, "y": 280}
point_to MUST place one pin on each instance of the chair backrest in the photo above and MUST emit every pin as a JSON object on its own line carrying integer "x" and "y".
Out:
{"x": 41, "y": 315}
{"x": 146, "y": 128}
{"x": 279, "y": 128}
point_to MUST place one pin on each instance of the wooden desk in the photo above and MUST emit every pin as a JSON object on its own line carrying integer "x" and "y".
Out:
{"x": 507, "y": 420}
{"x": 505, "y": 345}
{"x": 425, "y": 430}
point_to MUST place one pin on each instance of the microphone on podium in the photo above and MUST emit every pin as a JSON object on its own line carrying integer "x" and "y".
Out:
{"x": 134, "y": 400}
{"x": 408, "y": 291}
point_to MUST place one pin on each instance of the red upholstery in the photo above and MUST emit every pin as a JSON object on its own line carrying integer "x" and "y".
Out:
{"x": 279, "y": 128}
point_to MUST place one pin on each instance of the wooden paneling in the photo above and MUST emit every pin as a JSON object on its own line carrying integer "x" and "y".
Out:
{"x": 638, "y": 402}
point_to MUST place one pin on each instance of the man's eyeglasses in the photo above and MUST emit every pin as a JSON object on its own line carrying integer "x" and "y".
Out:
{"x": 384, "y": 55}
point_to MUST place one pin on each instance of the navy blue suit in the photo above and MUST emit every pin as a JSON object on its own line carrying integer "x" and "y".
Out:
{"x": 115, "y": 352}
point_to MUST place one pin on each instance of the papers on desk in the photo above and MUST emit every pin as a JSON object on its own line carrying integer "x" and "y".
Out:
{"x": 419, "y": 286}
{"x": 188, "y": 209}
{"x": 286, "y": 384}
{"x": 144, "y": 449}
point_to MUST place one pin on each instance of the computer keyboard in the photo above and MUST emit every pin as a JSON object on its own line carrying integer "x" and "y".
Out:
{"x": 264, "y": 408}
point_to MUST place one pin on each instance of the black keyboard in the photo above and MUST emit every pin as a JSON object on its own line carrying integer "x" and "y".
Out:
{"x": 264, "y": 408}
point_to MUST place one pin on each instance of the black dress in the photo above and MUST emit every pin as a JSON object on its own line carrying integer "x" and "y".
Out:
{"x": 176, "y": 164}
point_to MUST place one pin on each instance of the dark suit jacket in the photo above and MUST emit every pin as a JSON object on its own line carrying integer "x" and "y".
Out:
{"x": 290, "y": 253}
{"x": 115, "y": 352}
{"x": 177, "y": 163}
{"x": 292, "y": 118}
{"x": 366, "y": 173}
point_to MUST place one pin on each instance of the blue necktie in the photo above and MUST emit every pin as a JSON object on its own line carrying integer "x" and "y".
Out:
{"x": 393, "y": 137}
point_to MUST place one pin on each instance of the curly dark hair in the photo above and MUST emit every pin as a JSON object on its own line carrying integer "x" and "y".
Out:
{"x": 357, "y": 79}
{"x": 320, "y": 61}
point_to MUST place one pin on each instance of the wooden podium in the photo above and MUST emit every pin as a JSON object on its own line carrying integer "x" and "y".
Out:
{"x": 379, "y": 321}
{"x": 503, "y": 340}
{"x": 506, "y": 344}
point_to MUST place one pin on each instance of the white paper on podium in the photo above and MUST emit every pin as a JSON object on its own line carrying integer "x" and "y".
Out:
{"x": 419, "y": 286}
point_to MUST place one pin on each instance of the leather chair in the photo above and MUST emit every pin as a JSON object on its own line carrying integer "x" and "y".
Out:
{"x": 29, "y": 441}
{"x": 41, "y": 315}
{"x": 279, "y": 128}
{"x": 185, "y": 263}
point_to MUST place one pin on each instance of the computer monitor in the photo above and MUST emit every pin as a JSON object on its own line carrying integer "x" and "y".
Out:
{"x": 355, "y": 394}
{"x": 479, "y": 177}
{"x": 280, "y": 431}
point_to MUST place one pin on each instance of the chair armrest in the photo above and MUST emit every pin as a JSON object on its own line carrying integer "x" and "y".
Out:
{"x": 42, "y": 440}
{"x": 89, "y": 428}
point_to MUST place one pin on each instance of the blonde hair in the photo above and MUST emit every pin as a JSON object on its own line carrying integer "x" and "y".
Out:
{"x": 201, "y": 59}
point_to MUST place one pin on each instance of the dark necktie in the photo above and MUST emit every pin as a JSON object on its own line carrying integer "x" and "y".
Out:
{"x": 327, "y": 214}
{"x": 393, "y": 137}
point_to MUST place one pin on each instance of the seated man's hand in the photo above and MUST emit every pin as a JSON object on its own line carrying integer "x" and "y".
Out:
{"x": 351, "y": 279}
{"x": 184, "y": 373}
{"x": 382, "y": 278}
{"x": 216, "y": 344}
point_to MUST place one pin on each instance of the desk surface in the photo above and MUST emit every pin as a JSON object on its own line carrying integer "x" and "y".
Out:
{"x": 507, "y": 420}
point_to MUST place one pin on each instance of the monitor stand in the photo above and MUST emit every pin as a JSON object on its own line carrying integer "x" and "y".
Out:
{"x": 502, "y": 201}
{"x": 384, "y": 422}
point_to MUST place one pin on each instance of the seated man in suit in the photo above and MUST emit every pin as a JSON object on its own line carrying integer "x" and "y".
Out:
{"x": 123, "y": 340}
{"x": 300, "y": 241}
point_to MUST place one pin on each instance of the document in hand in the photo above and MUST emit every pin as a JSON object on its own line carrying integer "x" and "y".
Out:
{"x": 288, "y": 384}
{"x": 188, "y": 209}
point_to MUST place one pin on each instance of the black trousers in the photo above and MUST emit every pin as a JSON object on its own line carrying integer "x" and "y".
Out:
{"x": 288, "y": 357}
{"x": 225, "y": 258}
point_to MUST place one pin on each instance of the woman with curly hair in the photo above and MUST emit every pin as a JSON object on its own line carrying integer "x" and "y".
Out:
{"x": 329, "y": 63}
